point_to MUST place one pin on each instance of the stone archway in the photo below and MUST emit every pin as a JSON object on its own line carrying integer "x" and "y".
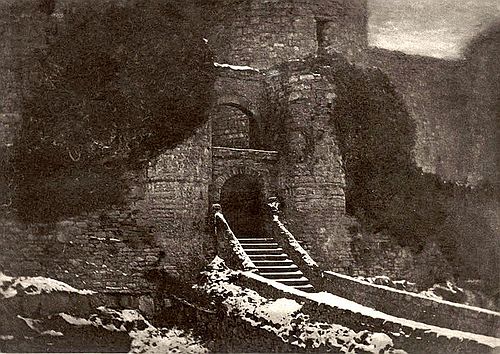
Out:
{"x": 236, "y": 123}
{"x": 242, "y": 203}
{"x": 229, "y": 171}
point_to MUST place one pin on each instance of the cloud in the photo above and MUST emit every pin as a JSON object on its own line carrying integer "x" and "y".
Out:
{"x": 439, "y": 28}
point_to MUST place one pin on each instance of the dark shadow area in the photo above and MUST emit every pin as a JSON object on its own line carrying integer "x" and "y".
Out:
{"x": 241, "y": 200}
{"x": 114, "y": 87}
{"x": 388, "y": 193}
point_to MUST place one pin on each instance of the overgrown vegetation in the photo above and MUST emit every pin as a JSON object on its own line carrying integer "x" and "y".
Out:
{"x": 387, "y": 192}
{"x": 115, "y": 86}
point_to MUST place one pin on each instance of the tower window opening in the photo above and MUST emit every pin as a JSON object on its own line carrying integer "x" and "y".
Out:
{"x": 321, "y": 33}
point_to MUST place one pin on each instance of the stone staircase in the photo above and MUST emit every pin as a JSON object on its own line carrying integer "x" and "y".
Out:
{"x": 273, "y": 263}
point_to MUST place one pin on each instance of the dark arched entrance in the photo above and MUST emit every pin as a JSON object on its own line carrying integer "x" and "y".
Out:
{"x": 241, "y": 200}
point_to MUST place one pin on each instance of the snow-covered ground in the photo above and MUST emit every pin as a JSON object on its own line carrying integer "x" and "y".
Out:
{"x": 64, "y": 330}
{"x": 11, "y": 286}
{"x": 284, "y": 318}
{"x": 145, "y": 337}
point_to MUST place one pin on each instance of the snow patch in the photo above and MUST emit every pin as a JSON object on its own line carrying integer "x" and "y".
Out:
{"x": 152, "y": 340}
{"x": 145, "y": 337}
{"x": 52, "y": 333}
{"x": 75, "y": 321}
{"x": 217, "y": 264}
{"x": 9, "y": 286}
{"x": 278, "y": 311}
{"x": 236, "y": 67}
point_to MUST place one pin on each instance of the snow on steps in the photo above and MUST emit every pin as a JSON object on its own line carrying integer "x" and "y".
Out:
{"x": 273, "y": 263}
{"x": 414, "y": 336}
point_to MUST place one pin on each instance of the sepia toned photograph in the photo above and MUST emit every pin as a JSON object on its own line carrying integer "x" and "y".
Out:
{"x": 250, "y": 176}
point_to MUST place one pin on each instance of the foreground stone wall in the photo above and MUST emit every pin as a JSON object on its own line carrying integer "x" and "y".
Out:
{"x": 412, "y": 306}
{"x": 410, "y": 335}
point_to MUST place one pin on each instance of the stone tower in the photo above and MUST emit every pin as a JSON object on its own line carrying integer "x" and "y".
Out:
{"x": 270, "y": 126}
{"x": 263, "y": 33}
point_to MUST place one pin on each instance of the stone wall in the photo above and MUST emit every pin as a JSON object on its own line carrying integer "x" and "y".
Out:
{"x": 311, "y": 177}
{"x": 162, "y": 224}
{"x": 162, "y": 228}
{"x": 407, "y": 334}
{"x": 229, "y": 162}
{"x": 177, "y": 200}
{"x": 451, "y": 140}
{"x": 264, "y": 33}
{"x": 22, "y": 32}
{"x": 231, "y": 127}
{"x": 236, "y": 116}
{"x": 413, "y": 306}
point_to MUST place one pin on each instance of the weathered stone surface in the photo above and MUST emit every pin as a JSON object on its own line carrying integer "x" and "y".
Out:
{"x": 164, "y": 225}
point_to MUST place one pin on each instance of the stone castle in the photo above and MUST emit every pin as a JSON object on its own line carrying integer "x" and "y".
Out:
{"x": 239, "y": 158}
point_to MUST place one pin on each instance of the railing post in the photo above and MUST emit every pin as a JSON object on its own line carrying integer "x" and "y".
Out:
{"x": 228, "y": 246}
{"x": 218, "y": 230}
{"x": 216, "y": 208}
{"x": 273, "y": 205}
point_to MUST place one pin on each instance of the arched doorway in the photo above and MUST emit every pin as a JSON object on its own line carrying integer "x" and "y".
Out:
{"x": 242, "y": 203}
{"x": 235, "y": 125}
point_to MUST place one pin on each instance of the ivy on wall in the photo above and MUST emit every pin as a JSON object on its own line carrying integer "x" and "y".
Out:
{"x": 386, "y": 191}
{"x": 114, "y": 86}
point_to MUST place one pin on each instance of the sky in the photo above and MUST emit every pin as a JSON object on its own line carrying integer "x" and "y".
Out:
{"x": 437, "y": 28}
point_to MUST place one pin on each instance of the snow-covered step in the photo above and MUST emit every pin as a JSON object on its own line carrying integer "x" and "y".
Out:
{"x": 263, "y": 251}
{"x": 255, "y": 240}
{"x": 293, "y": 282}
{"x": 284, "y": 275}
{"x": 307, "y": 287}
{"x": 274, "y": 269}
{"x": 273, "y": 263}
{"x": 260, "y": 246}
{"x": 264, "y": 263}
{"x": 268, "y": 257}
